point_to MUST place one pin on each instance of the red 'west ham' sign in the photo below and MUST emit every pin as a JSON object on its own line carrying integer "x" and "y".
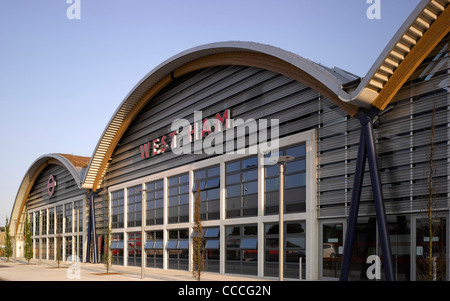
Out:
{"x": 161, "y": 145}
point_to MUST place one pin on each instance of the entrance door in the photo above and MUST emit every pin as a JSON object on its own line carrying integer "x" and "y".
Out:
{"x": 430, "y": 248}
{"x": 331, "y": 249}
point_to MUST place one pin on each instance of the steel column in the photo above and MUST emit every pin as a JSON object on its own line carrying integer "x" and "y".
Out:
{"x": 92, "y": 236}
{"x": 379, "y": 202}
{"x": 367, "y": 149}
{"x": 354, "y": 208}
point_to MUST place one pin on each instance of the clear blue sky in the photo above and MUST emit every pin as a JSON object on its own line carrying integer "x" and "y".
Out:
{"x": 61, "y": 80}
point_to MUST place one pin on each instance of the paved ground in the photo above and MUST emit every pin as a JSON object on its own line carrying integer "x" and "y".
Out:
{"x": 48, "y": 271}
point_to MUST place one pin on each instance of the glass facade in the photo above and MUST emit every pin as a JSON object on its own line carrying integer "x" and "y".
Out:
{"x": 237, "y": 194}
{"x": 58, "y": 241}
{"x": 230, "y": 186}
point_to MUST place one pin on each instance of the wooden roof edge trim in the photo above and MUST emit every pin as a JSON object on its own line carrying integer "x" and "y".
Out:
{"x": 437, "y": 31}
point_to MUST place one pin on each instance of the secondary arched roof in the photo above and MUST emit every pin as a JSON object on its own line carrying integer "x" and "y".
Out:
{"x": 76, "y": 165}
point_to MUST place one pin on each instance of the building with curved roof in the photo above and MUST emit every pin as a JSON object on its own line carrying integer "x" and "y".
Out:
{"x": 211, "y": 117}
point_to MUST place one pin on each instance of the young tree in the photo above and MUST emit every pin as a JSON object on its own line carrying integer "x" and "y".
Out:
{"x": 198, "y": 241}
{"x": 431, "y": 263}
{"x": 8, "y": 242}
{"x": 28, "y": 248}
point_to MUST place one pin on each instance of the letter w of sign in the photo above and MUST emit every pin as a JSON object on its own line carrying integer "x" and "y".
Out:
{"x": 145, "y": 150}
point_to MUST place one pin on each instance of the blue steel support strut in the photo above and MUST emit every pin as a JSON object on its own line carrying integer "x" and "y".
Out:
{"x": 354, "y": 208}
{"x": 88, "y": 245}
{"x": 379, "y": 202}
{"x": 92, "y": 237}
{"x": 367, "y": 149}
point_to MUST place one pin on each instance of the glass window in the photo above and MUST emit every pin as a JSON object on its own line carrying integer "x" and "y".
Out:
{"x": 208, "y": 180}
{"x": 135, "y": 206}
{"x": 179, "y": 199}
{"x": 78, "y": 207}
{"x": 332, "y": 242}
{"x": 59, "y": 219}
{"x": 117, "y": 251}
{"x": 172, "y": 244}
{"x": 51, "y": 248}
{"x": 134, "y": 249}
{"x": 248, "y": 243}
{"x": 158, "y": 244}
{"x": 242, "y": 187}
{"x": 117, "y": 208}
{"x": 31, "y": 221}
{"x": 183, "y": 244}
{"x": 295, "y": 182}
{"x": 69, "y": 217}
{"x": 178, "y": 250}
{"x": 364, "y": 246}
{"x": 154, "y": 246}
{"x": 294, "y": 249}
{"x": 68, "y": 244}
{"x": 212, "y": 232}
{"x": 155, "y": 200}
{"x": 44, "y": 222}
{"x": 149, "y": 244}
{"x": 241, "y": 249}
{"x": 212, "y": 244}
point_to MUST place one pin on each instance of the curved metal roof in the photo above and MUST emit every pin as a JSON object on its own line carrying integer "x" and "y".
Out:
{"x": 179, "y": 65}
{"x": 425, "y": 27}
{"x": 76, "y": 165}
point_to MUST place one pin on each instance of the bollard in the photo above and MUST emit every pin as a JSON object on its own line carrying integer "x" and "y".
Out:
{"x": 300, "y": 267}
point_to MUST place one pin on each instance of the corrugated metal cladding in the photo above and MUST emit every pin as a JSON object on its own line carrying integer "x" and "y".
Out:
{"x": 66, "y": 187}
{"x": 403, "y": 136}
{"x": 246, "y": 92}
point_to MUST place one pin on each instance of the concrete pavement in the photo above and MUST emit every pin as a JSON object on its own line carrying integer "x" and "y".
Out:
{"x": 48, "y": 271}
